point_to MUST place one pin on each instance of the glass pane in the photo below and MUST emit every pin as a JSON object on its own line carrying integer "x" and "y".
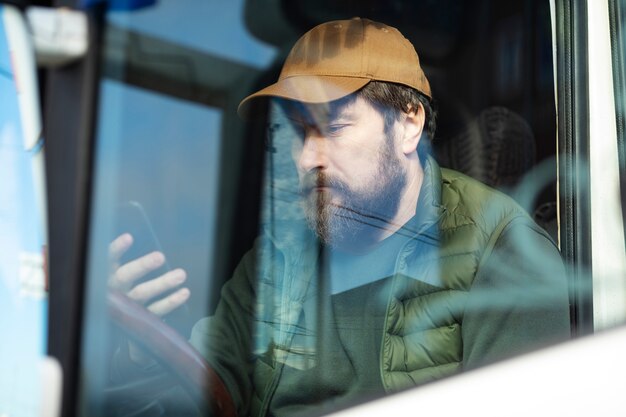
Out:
{"x": 327, "y": 257}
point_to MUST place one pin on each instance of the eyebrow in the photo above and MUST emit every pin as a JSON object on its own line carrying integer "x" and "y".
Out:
{"x": 311, "y": 119}
{"x": 314, "y": 114}
{"x": 348, "y": 116}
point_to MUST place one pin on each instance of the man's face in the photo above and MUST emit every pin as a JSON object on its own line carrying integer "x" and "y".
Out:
{"x": 350, "y": 171}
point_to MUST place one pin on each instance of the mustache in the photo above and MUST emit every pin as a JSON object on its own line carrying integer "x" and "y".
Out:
{"x": 316, "y": 179}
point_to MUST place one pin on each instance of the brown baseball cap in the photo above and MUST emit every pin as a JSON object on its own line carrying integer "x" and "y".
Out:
{"x": 337, "y": 58}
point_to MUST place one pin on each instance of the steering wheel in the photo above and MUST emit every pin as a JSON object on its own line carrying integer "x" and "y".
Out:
{"x": 175, "y": 354}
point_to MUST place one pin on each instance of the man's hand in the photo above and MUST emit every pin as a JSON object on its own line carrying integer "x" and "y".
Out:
{"x": 124, "y": 277}
{"x": 150, "y": 293}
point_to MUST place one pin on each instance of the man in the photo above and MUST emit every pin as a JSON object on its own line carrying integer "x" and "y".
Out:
{"x": 413, "y": 272}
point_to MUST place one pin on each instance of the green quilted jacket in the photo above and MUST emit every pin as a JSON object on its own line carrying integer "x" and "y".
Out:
{"x": 478, "y": 282}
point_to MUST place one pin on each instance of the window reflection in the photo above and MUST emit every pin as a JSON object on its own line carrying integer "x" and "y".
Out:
{"x": 374, "y": 269}
{"x": 153, "y": 151}
{"x": 327, "y": 314}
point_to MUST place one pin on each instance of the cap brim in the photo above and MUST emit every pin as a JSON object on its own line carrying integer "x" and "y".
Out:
{"x": 306, "y": 89}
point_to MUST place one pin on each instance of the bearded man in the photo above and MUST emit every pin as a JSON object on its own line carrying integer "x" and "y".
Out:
{"x": 413, "y": 272}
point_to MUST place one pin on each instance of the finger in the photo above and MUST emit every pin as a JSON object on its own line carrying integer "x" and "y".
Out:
{"x": 170, "y": 303}
{"x": 119, "y": 245}
{"x": 155, "y": 287}
{"x": 135, "y": 269}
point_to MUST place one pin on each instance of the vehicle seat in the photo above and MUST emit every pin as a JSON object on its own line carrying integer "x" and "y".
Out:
{"x": 498, "y": 149}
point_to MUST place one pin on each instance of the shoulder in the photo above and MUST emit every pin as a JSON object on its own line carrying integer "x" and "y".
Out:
{"x": 459, "y": 190}
{"x": 465, "y": 199}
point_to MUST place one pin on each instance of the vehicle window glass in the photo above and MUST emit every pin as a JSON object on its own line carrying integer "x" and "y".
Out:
{"x": 318, "y": 252}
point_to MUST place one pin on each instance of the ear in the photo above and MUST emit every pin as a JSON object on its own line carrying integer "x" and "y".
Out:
{"x": 412, "y": 128}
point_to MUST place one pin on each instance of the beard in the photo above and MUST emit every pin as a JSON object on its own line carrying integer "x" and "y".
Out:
{"x": 361, "y": 214}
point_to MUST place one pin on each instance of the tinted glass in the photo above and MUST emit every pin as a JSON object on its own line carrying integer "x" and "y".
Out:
{"x": 317, "y": 255}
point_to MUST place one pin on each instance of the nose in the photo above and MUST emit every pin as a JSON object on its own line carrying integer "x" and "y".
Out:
{"x": 313, "y": 154}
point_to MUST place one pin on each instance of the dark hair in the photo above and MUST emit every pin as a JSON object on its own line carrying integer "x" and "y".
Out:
{"x": 392, "y": 100}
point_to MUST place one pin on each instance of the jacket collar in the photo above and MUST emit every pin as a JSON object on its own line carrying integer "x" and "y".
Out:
{"x": 429, "y": 208}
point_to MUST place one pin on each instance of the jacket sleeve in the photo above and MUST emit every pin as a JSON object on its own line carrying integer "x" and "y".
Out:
{"x": 225, "y": 338}
{"x": 519, "y": 298}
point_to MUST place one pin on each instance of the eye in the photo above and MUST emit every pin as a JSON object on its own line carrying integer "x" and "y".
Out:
{"x": 335, "y": 129}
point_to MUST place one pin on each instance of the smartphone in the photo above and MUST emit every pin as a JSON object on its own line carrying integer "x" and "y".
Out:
{"x": 132, "y": 219}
